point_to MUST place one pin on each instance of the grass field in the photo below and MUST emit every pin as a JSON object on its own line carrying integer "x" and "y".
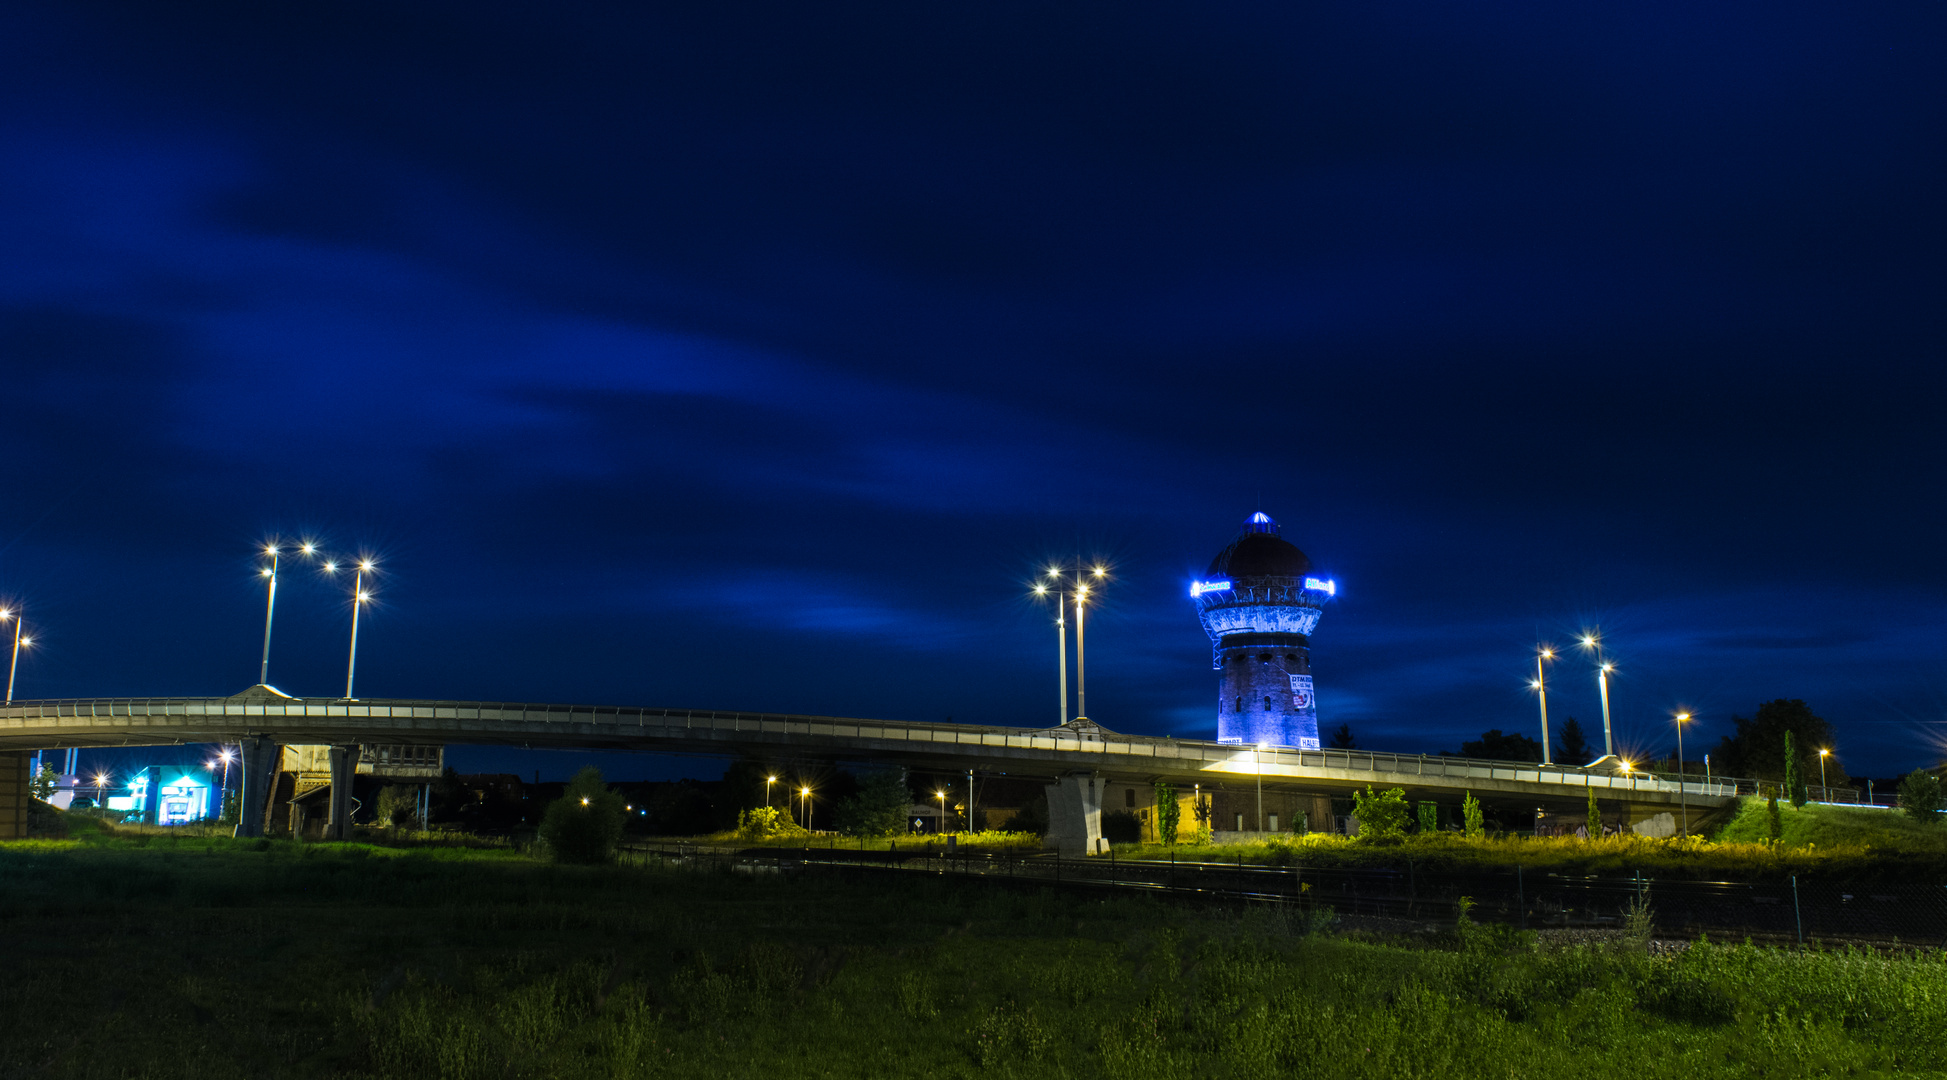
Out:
{"x": 218, "y": 958}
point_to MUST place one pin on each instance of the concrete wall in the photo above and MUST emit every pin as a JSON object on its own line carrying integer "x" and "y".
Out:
{"x": 13, "y": 794}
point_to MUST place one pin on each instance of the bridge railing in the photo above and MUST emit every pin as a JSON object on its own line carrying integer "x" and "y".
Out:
{"x": 1379, "y": 766}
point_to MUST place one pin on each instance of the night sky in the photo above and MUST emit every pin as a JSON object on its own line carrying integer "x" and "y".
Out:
{"x": 747, "y": 357}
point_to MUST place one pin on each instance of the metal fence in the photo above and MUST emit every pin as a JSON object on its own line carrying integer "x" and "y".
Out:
{"x": 1786, "y": 910}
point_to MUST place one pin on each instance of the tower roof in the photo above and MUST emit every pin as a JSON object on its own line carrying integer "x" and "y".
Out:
{"x": 1260, "y": 552}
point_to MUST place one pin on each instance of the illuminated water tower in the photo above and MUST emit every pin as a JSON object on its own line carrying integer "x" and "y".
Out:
{"x": 1260, "y": 604}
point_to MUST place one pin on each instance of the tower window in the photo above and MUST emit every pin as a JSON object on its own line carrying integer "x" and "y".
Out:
{"x": 1290, "y": 657}
{"x": 1267, "y": 703}
{"x": 1239, "y": 707}
{"x": 1264, "y": 658}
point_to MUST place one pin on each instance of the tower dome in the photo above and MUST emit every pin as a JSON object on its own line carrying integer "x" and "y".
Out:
{"x": 1259, "y": 603}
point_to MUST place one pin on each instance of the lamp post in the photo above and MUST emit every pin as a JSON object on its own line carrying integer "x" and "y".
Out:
{"x": 1683, "y": 789}
{"x": 101, "y": 783}
{"x": 804, "y": 801}
{"x": 270, "y": 599}
{"x": 1061, "y": 646}
{"x": 1593, "y": 642}
{"x": 941, "y": 795}
{"x": 14, "y": 664}
{"x": 768, "y": 781}
{"x": 1541, "y": 691}
{"x": 1257, "y": 758}
{"x": 1825, "y": 794}
{"x": 359, "y": 598}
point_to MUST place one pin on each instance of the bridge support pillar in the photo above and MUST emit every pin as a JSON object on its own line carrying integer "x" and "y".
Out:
{"x": 13, "y": 794}
{"x": 1075, "y": 815}
{"x": 259, "y": 769}
{"x": 344, "y": 767}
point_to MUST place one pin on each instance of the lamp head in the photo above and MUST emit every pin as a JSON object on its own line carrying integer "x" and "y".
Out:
{"x": 1607, "y": 668}
{"x": 1548, "y": 654}
{"x": 1823, "y": 753}
{"x": 1682, "y": 716}
{"x": 1101, "y": 571}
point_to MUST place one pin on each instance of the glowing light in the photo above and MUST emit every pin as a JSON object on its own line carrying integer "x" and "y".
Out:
{"x": 364, "y": 596}
{"x": 1040, "y": 590}
{"x": 309, "y": 549}
{"x": 227, "y": 755}
{"x": 804, "y": 791}
{"x": 1588, "y": 641}
{"x": 270, "y": 550}
{"x": 5, "y": 615}
{"x": 1823, "y": 753}
{"x": 266, "y": 571}
{"x": 1201, "y": 587}
{"x": 26, "y": 641}
{"x": 1682, "y": 716}
{"x": 1534, "y": 684}
{"x": 1329, "y": 588}
{"x": 770, "y": 779}
{"x": 1627, "y": 766}
{"x": 365, "y": 564}
{"x": 1606, "y": 668}
{"x": 584, "y": 800}
{"x": 1548, "y": 654}
{"x": 1099, "y": 571}
{"x": 331, "y": 568}
{"x": 1260, "y": 518}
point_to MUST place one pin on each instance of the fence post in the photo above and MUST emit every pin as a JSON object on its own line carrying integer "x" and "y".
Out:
{"x": 1797, "y": 916}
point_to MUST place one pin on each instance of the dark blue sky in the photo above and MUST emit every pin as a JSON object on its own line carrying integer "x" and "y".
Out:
{"x": 752, "y": 357}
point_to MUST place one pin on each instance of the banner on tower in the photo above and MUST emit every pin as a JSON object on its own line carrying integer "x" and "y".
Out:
{"x": 1301, "y": 692}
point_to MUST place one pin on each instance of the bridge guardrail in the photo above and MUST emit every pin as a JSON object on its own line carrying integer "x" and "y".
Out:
{"x": 1271, "y": 761}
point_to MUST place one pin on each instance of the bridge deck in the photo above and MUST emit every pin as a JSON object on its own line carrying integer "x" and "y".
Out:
{"x": 164, "y": 721}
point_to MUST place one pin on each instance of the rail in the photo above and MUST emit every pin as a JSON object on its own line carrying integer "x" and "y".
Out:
{"x": 1378, "y": 766}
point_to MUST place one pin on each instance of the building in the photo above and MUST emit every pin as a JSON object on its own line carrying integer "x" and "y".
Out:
{"x": 1259, "y": 602}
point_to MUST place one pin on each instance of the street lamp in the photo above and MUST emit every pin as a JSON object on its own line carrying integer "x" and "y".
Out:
{"x": 1593, "y": 642}
{"x": 804, "y": 800}
{"x": 14, "y": 665}
{"x": 768, "y": 781}
{"x": 307, "y": 549}
{"x": 1078, "y": 599}
{"x": 941, "y": 795}
{"x": 1825, "y": 795}
{"x": 1541, "y": 690}
{"x": 101, "y": 782}
{"x": 1061, "y": 647}
{"x": 359, "y": 599}
{"x": 1683, "y": 789}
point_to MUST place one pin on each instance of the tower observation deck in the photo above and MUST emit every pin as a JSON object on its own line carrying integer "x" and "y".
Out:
{"x": 1260, "y": 603}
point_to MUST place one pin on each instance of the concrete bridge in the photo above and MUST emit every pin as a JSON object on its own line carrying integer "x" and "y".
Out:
{"x": 1079, "y": 760}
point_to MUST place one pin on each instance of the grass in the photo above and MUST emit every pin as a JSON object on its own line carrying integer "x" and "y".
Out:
{"x": 989, "y": 840}
{"x": 215, "y": 959}
{"x": 1845, "y": 841}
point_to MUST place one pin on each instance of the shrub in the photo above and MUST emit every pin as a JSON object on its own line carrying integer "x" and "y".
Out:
{"x": 1429, "y": 817}
{"x": 766, "y": 823}
{"x": 1470, "y": 809}
{"x": 1122, "y": 827}
{"x": 1382, "y": 815}
{"x": 1920, "y": 796}
{"x": 1595, "y": 817}
{"x": 398, "y": 805}
{"x": 1793, "y": 787}
{"x": 1774, "y": 821}
{"x": 583, "y": 825}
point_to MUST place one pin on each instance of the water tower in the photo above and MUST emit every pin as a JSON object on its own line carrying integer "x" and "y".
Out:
{"x": 1260, "y": 603}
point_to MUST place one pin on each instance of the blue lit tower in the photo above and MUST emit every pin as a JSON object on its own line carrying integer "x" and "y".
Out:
{"x": 1259, "y": 604}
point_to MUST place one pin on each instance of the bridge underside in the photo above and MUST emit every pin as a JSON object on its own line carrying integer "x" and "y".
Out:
{"x": 261, "y": 719}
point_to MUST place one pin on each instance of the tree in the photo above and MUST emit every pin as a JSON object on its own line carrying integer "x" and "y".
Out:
{"x": 1920, "y": 796}
{"x": 1793, "y": 789}
{"x": 1382, "y": 816}
{"x": 1757, "y": 748}
{"x": 42, "y": 785}
{"x": 1595, "y": 817}
{"x": 398, "y": 805}
{"x": 1499, "y": 747}
{"x": 1168, "y": 813}
{"x": 1470, "y": 809}
{"x": 1774, "y": 822}
{"x": 584, "y": 825}
{"x": 879, "y": 808}
{"x": 1575, "y": 744}
{"x": 1429, "y": 817}
{"x": 1342, "y": 738}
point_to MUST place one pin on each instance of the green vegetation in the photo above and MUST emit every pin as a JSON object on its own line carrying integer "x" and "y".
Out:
{"x": 219, "y": 959}
{"x": 1429, "y": 817}
{"x": 1920, "y": 796}
{"x": 585, "y": 824}
{"x": 1854, "y": 842}
{"x": 1470, "y": 809}
{"x": 1168, "y": 811}
{"x": 1382, "y": 815}
{"x": 879, "y": 808}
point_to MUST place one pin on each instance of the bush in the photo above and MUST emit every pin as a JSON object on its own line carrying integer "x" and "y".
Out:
{"x": 765, "y": 823}
{"x": 1595, "y": 817}
{"x": 1429, "y": 817}
{"x": 1382, "y": 816}
{"x": 584, "y": 825}
{"x": 1168, "y": 812}
{"x": 1470, "y": 809}
{"x": 1920, "y": 796}
{"x": 1122, "y": 827}
{"x": 398, "y": 805}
